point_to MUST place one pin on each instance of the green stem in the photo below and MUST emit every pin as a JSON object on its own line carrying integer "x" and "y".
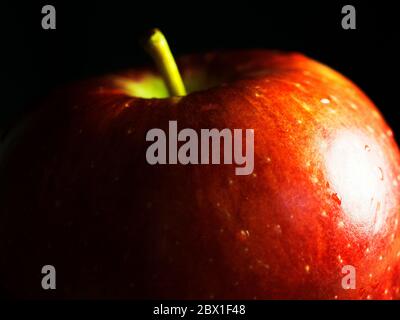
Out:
{"x": 158, "y": 48}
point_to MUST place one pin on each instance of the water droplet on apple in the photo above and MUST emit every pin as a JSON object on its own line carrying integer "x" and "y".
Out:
{"x": 380, "y": 173}
{"x": 314, "y": 179}
{"x": 370, "y": 129}
{"x": 325, "y": 101}
{"x": 337, "y": 198}
{"x": 378, "y": 207}
{"x": 353, "y": 106}
{"x": 243, "y": 235}
{"x": 327, "y": 185}
{"x": 278, "y": 229}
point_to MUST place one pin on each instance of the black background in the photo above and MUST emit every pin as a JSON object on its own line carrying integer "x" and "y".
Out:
{"x": 94, "y": 38}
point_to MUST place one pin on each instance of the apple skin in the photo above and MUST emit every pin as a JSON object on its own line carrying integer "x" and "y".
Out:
{"x": 76, "y": 191}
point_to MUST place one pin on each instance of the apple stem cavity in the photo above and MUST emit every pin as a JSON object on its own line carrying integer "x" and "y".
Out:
{"x": 157, "y": 46}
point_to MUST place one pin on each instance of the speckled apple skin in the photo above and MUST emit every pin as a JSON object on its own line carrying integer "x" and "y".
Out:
{"x": 76, "y": 191}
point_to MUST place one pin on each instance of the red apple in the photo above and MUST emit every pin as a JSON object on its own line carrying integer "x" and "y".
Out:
{"x": 76, "y": 191}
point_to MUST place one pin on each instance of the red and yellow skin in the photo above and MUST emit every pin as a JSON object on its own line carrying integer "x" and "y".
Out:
{"x": 76, "y": 190}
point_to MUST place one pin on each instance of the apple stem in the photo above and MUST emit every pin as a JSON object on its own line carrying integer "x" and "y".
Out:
{"x": 157, "y": 46}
